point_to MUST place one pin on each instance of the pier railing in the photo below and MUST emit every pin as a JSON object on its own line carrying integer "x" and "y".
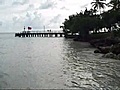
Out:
{"x": 40, "y": 34}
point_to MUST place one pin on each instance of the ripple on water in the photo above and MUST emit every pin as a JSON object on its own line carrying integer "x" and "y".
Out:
{"x": 3, "y": 77}
{"x": 91, "y": 71}
{"x": 55, "y": 63}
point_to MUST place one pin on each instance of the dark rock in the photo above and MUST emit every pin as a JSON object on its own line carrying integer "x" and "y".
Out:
{"x": 96, "y": 42}
{"x": 104, "y": 50}
{"x": 118, "y": 56}
{"x": 104, "y": 42}
{"x": 115, "y": 49}
{"x": 109, "y": 47}
{"x": 97, "y": 51}
{"x": 110, "y": 55}
{"x": 78, "y": 38}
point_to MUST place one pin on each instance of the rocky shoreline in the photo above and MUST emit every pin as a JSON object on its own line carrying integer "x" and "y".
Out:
{"x": 109, "y": 47}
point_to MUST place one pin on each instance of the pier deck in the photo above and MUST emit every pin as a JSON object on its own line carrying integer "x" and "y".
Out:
{"x": 40, "y": 34}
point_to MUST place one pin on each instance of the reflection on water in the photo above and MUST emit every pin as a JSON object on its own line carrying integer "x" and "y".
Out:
{"x": 87, "y": 70}
{"x": 54, "y": 63}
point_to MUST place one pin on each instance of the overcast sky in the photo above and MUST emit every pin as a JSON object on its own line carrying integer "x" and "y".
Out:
{"x": 15, "y": 14}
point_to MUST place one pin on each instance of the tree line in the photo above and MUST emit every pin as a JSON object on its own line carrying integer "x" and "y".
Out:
{"x": 95, "y": 19}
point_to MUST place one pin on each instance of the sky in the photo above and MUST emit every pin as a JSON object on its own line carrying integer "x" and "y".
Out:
{"x": 15, "y": 14}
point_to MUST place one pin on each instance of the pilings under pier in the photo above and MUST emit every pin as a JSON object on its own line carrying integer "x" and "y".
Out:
{"x": 46, "y": 34}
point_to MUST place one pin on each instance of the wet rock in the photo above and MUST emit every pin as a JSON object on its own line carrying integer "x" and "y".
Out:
{"x": 97, "y": 42}
{"x": 104, "y": 50}
{"x": 115, "y": 49}
{"x": 104, "y": 42}
{"x": 118, "y": 56}
{"x": 109, "y": 55}
{"x": 97, "y": 51}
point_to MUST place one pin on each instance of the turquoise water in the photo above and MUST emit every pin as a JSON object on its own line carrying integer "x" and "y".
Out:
{"x": 54, "y": 63}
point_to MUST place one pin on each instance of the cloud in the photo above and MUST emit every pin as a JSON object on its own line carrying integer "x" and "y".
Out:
{"x": 1, "y": 23}
{"x": 37, "y": 21}
{"x": 61, "y": 0}
{"x": 15, "y": 14}
{"x": 64, "y": 8}
{"x": 47, "y": 4}
{"x": 84, "y": 5}
{"x": 29, "y": 19}
{"x": 31, "y": 7}
{"x": 20, "y": 2}
{"x": 55, "y": 22}
{"x": 1, "y": 2}
{"x": 55, "y": 19}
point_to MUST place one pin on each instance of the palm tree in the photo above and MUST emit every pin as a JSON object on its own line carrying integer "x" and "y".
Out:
{"x": 115, "y": 4}
{"x": 98, "y": 5}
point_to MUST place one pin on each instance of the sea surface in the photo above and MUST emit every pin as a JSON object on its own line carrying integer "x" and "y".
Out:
{"x": 54, "y": 63}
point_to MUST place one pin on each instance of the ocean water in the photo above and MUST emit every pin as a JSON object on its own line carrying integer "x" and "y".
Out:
{"x": 54, "y": 63}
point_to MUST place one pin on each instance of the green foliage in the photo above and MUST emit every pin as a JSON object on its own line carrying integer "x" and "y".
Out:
{"x": 115, "y": 4}
{"x": 98, "y": 4}
{"x": 88, "y": 20}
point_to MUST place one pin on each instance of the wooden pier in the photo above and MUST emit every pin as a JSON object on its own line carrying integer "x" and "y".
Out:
{"x": 39, "y": 34}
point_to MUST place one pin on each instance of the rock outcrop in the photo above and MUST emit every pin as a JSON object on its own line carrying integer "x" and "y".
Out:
{"x": 115, "y": 49}
{"x": 109, "y": 47}
{"x": 104, "y": 42}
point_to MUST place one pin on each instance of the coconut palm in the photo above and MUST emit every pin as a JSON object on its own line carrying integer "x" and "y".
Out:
{"x": 115, "y": 4}
{"x": 98, "y": 4}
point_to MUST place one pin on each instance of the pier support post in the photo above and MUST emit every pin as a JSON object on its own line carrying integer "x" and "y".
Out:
{"x": 56, "y": 35}
{"x": 61, "y": 35}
